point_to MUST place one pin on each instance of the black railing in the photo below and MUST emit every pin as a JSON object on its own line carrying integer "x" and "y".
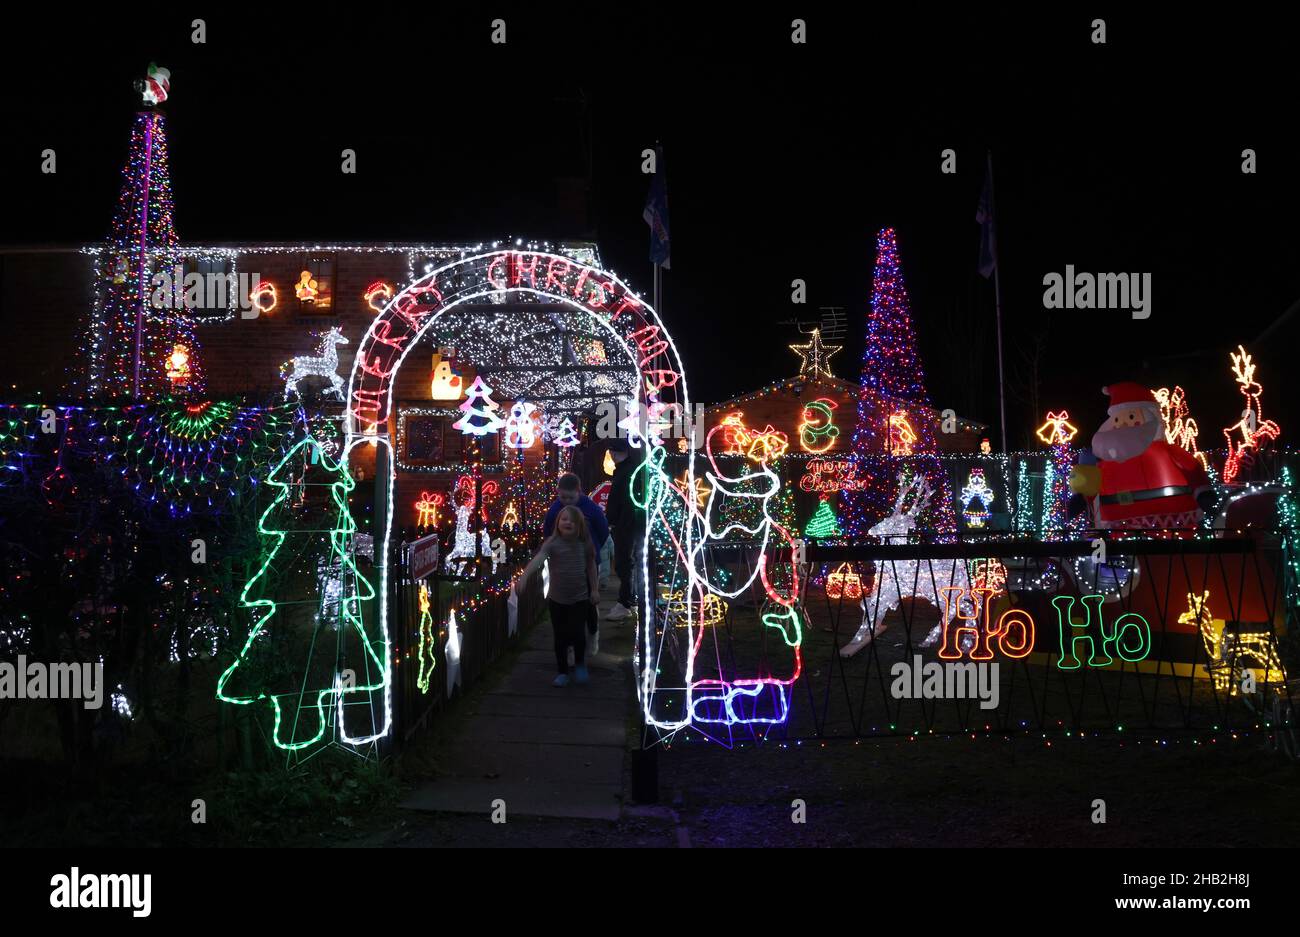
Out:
{"x": 483, "y": 634}
{"x": 1189, "y": 634}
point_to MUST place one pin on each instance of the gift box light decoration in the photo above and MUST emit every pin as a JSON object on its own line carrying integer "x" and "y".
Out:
{"x": 426, "y": 509}
{"x": 843, "y": 582}
{"x": 712, "y": 611}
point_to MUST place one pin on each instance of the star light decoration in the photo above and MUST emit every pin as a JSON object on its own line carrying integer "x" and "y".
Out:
{"x": 815, "y": 356}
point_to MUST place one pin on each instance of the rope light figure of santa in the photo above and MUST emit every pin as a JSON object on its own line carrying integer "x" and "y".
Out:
{"x": 1140, "y": 481}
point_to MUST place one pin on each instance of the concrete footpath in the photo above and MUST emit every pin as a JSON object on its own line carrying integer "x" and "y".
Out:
{"x": 545, "y": 751}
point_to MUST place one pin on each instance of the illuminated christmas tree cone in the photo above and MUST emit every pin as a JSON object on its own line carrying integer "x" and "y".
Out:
{"x": 313, "y": 657}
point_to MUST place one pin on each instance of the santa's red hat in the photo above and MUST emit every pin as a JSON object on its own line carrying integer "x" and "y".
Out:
{"x": 1130, "y": 394}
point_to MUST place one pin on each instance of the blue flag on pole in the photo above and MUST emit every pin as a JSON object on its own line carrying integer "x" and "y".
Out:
{"x": 984, "y": 215}
{"x": 656, "y": 213}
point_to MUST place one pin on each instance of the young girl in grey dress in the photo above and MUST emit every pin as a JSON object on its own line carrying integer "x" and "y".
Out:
{"x": 573, "y": 589}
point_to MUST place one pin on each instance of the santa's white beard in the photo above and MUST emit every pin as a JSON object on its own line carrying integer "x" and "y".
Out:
{"x": 1121, "y": 443}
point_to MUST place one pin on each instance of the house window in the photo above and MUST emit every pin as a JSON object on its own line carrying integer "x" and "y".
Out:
{"x": 428, "y": 441}
{"x": 314, "y": 286}
{"x": 210, "y": 292}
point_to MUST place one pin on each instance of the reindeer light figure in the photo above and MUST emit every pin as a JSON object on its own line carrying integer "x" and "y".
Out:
{"x": 324, "y": 364}
{"x": 1252, "y": 427}
{"x": 900, "y": 579}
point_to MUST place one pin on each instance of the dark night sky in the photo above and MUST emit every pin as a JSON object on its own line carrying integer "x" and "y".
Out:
{"x": 782, "y": 162}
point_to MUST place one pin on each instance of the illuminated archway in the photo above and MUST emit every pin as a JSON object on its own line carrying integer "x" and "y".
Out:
{"x": 403, "y": 320}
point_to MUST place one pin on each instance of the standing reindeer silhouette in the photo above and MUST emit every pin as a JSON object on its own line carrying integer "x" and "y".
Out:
{"x": 900, "y": 579}
{"x": 324, "y": 364}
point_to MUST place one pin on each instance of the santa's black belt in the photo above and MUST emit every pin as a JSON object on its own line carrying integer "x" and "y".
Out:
{"x": 1128, "y": 497}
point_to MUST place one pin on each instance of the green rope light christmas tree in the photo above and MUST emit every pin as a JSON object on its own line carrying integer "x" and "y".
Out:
{"x": 326, "y": 683}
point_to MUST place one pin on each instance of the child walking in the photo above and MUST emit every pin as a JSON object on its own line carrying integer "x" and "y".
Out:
{"x": 574, "y": 589}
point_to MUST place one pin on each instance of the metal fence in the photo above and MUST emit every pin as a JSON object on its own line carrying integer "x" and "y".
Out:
{"x": 1182, "y": 634}
{"x": 453, "y": 661}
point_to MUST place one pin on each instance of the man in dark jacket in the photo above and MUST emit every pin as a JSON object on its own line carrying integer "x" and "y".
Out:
{"x": 628, "y": 523}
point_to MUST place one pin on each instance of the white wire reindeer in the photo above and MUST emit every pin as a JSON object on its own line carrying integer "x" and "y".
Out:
{"x": 324, "y": 364}
{"x": 900, "y": 579}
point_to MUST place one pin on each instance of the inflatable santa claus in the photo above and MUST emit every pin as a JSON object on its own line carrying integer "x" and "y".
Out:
{"x": 1140, "y": 481}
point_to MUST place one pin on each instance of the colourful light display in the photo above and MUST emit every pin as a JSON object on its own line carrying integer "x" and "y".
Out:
{"x": 823, "y": 523}
{"x": 1180, "y": 429}
{"x": 892, "y": 382}
{"x": 901, "y": 579}
{"x": 814, "y": 357}
{"x": 124, "y": 320}
{"x": 1057, "y": 429}
{"x": 901, "y": 435}
{"x": 324, "y": 364}
{"x": 843, "y": 582}
{"x": 976, "y": 498}
{"x": 355, "y": 591}
{"x": 426, "y": 508}
{"x": 1246, "y": 435}
{"x": 817, "y": 429}
{"x": 480, "y": 411}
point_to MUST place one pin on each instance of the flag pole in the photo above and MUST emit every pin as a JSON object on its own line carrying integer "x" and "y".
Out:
{"x": 997, "y": 300}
